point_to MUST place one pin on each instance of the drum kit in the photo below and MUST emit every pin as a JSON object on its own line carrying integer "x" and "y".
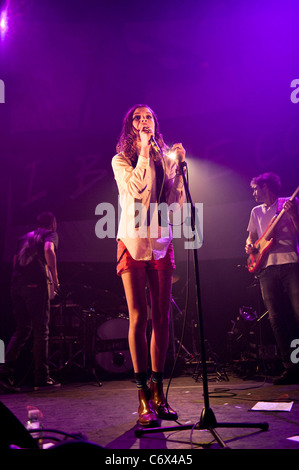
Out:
{"x": 89, "y": 330}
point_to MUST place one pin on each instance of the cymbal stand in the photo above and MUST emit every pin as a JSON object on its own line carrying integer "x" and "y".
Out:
{"x": 89, "y": 328}
{"x": 207, "y": 419}
{"x": 70, "y": 351}
{"x": 188, "y": 355}
{"x": 59, "y": 338}
{"x": 220, "y": 371}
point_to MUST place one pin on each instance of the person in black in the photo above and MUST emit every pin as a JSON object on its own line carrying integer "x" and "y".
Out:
{"x": 34, "y": 265}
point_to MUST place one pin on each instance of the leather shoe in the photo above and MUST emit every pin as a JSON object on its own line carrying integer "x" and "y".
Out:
{"x": 159, "y": 404}
{"x": 47, "y": 384}
{"x": 147, "y": 416}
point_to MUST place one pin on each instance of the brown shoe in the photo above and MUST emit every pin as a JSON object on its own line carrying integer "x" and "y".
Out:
{"x": 159, "y": 404}
{"x": 147, "y": 416}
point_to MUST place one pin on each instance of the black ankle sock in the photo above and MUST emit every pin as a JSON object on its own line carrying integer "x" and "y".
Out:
{"x": 141, "y": 380}
{"x": 157, "y": 377}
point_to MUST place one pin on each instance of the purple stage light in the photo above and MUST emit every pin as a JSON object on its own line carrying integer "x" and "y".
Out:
{"x": 3, "y": 23}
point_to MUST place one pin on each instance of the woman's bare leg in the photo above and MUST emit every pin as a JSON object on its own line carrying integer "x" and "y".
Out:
{"x": 160, "y": 288}
{"x": 134, "y": 285}
{"x": 160, "y": 283}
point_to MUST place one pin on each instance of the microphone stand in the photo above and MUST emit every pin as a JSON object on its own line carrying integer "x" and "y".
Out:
{"x": 207, "y": 419}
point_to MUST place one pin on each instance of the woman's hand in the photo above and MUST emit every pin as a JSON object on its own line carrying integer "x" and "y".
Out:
{"x": 179, "y": 153}
{"x": 145, "y": 134}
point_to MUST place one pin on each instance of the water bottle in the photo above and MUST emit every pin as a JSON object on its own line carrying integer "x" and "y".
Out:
{"x": 34, "y": 424}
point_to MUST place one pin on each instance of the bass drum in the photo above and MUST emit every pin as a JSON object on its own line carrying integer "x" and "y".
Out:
{"x": 111, "y": 346}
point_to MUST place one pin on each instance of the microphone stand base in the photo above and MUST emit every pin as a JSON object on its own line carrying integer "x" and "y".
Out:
{"x": 207, "y": 422}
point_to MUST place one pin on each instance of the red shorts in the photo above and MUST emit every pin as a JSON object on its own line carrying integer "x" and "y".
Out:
{"x": 127, "y": 263}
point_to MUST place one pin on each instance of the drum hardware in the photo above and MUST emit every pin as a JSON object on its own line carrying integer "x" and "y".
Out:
{"x": 87, "y": 337}
{"x": 106, "y": 301}
{"x": 65, "y": 337}
{"x": 112, "y": 352}
{"x": 89, "y": 297}
{"x": 213, "y": 365}
{"x": 192, "y": 359}
{"x": 112, "y": 344}
{"x": 80, "y": 311}
{"x": 75, "y": 357}
{"x": 65, "y": 321}
{"x": 118, "y": 359}
{"x": 173, "y": 339}
{"x": 73, "y": 350}
{"x": 176, "y": 343}
{"x": 251, "y": 346}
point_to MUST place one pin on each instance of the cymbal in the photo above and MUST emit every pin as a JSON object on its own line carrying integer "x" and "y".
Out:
{"x": 102, "y": 300}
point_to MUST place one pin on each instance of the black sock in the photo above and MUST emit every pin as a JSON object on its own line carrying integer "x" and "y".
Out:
{"x": 141, "y": 380}
{"x": 157, "y": 377}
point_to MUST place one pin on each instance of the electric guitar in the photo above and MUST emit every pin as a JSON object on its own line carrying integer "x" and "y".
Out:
{"x": 264, "y": 243}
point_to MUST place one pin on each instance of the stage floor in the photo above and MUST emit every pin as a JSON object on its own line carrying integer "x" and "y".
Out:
{"x": 107, "y": 415}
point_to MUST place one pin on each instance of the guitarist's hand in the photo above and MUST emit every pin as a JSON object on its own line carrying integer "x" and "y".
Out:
{"x": 250, "y": 249}
{"x": 291, "y": 208}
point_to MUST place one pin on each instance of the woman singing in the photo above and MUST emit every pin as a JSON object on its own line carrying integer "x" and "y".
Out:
{"x": 146, "y": 178}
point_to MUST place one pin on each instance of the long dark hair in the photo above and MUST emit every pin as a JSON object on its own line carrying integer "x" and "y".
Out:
{"x": 127, "y": 142}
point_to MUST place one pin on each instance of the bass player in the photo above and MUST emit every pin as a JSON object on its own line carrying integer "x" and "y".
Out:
{"x": 278, "y": 272}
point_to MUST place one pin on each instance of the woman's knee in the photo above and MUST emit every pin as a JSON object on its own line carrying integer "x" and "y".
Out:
{"x": 137, "y": 323}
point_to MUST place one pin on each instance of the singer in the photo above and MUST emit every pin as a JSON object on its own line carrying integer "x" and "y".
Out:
{"x": 145, "y": 174}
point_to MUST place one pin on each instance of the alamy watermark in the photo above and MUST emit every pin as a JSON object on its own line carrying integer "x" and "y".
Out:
{"x": 2, "y": 91}
{"x": 295, "y": 93}
{"x": 142, "y": 222}
{"x": 2, "y": 351}
{"x": 295, "y": 353}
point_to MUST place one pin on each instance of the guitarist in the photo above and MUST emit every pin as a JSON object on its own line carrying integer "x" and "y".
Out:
{"x": 36, "y": 250}
{"x": 279, "y": 272}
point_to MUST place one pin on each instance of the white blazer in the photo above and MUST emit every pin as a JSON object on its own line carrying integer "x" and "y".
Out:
{"x": 138, "y": 225}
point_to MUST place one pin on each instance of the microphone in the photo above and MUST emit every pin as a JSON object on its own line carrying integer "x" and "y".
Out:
{"x": 154, "y": 144}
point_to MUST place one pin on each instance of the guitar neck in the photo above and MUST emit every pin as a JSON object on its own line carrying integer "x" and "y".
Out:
{"x": 270, "y": 230}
